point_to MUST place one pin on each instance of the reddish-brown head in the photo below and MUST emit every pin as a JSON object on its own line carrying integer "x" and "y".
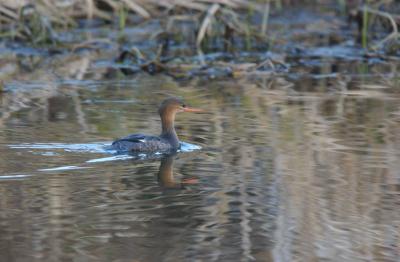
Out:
{"x": 168, "y": 109}
{"x": 171, "y": 106}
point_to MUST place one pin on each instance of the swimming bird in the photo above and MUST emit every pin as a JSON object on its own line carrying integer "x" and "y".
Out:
{"x": 167, "y": 141}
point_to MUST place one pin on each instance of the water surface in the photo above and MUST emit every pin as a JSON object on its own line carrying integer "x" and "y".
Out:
{"x": 301, "y": 168}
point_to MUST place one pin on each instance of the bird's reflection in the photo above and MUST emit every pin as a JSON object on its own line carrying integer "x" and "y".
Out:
{"x": 166, "y": 174}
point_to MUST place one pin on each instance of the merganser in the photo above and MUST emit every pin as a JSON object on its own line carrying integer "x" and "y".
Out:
{"x": 167, "y": 141}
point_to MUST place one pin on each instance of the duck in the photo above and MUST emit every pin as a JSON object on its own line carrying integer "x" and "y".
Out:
{"x": 167, "y": 141}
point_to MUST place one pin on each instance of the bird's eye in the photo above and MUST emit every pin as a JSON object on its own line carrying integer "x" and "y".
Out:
{"x": 183, "y": 105}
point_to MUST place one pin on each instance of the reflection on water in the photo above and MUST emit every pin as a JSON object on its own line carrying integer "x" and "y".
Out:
{"x": 289, "y": 170}
{"x": 166, "y": 174}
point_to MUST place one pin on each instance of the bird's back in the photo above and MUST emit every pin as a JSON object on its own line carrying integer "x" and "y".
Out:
{"x": 141, "y": 143}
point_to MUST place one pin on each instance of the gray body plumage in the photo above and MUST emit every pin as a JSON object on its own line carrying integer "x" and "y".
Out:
{"x": 136, "y": 143}
{"x": 168, "y": 140}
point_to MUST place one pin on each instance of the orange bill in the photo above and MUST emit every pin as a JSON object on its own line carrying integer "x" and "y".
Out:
{"x": 191, "y": 109}
{"x": 190, "y": 181}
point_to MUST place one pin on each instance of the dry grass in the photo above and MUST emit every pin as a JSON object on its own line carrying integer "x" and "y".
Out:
{"x": 57, "y": 10}
{"x": 36, "y": 21}
{"x": 393, "y": 20}
{"x": 17, "y": 15}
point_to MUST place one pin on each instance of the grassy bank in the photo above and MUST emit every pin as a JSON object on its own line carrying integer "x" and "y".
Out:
{"x": 37, "y": 22}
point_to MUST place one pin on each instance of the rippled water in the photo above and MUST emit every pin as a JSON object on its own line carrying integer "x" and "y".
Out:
{"x": 285, "y": 170}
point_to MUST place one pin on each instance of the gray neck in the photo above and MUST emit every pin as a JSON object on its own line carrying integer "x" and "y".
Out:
{"x": 168, "y": 133}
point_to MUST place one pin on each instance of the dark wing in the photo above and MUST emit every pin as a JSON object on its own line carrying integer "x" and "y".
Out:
{"x": 137, "y": 138}
{"x": 133, "y": 138}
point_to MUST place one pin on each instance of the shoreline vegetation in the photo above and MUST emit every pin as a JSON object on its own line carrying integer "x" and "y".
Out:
{"x": 37, "y": 22}
{"x": 228, "y": 38}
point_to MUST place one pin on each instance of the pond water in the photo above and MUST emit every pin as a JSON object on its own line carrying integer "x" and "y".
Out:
{"x": 301, "y": 168}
